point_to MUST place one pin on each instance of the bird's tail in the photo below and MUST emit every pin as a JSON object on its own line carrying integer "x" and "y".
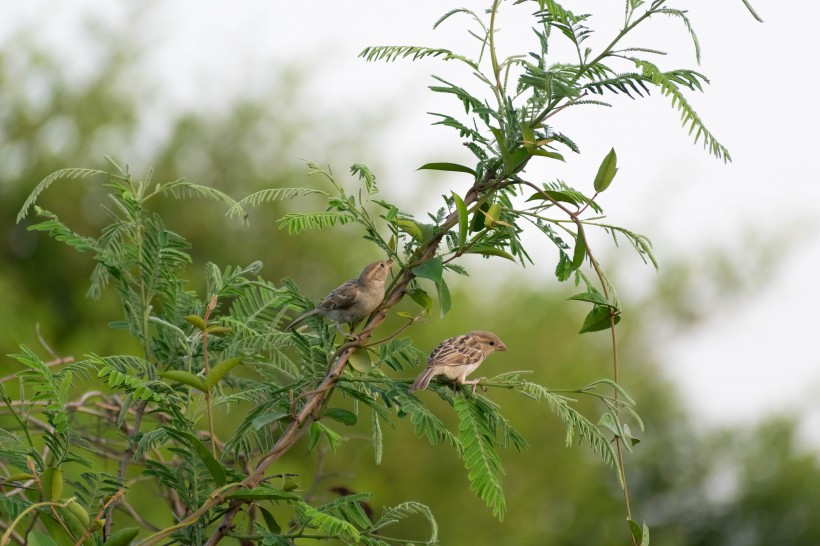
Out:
{"x": 300, "y": 318}
{"x": 423, "y": 380}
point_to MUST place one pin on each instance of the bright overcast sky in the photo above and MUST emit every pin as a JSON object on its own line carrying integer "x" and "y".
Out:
{"x": 761, "y": 104}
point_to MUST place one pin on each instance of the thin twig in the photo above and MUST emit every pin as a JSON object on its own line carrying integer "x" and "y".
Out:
{"x": 206, "y": 368}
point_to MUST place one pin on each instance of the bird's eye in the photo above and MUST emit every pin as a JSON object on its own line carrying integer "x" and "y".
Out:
{"x": 492, "y": 343}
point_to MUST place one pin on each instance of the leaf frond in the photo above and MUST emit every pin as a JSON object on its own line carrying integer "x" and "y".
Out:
{"x": 66, "y": 174}
{"x": 269, "y": 195}
{"x": 668, "y": 83}
{"x": 183, "y": 189}
{"x": 480, "y": 459}
{"x": 297, "y": 222}
{"x": 393, "y": 53}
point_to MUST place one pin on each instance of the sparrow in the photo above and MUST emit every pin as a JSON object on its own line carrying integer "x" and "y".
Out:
{"x": 458, "y": 357}
{"x": 353, "y": 300}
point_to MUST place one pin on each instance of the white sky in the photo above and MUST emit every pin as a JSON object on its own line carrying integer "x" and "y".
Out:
{"x": 756, "y": 358}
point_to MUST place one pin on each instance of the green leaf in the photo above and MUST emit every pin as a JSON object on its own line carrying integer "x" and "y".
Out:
{"x": 422, "y": 298}
{"x": 60, "y": 232}
{"x": 444, "y": 299}
{"x": 606, "y": 172}
{"x": 668, "y": 84}
{"x": 557, "y": 195}
{"x": 637, "y": 532}
{"x": 317, "y": 431}
{"x": 297, "y": 222}
{"x": 502, "y": 145}
{"x": 68, "y": 174}
{"x": 183, "y": 189}
{"x": 328, "y": 523}
{"x": 754, "y": 14}
{"x": 220, "y": 370}
{"x": 492, "y": 215}
{"x": 478, "y": 217}
{"x": 267, "y": 418}
{"x": 364, "y": 173}
{"x": 214, "y": 467}
{"x": 608, "y": 422}
{"x": 426, "y": 423}
{"x": 378, "y": 447}
{"x": 480, "y": 459}
{"x": 122, "y": 537}
{"x": 431, "y": 269}
{"x": 36, "y": 538}
{"x": 640, "y": 534}
{"x": 514, "y": 162}
{"x": 411, "y": 228}
{"x": 262, "y": 492}
{"x": 79, "y": 512}
{"x": 57, "y": 531}
{"x": 51, "y": 480}
{"x": 491, "y": 251}
{"x": 186, "y": 378}
{"x": 592, "y": 297}
{"x": 267, "y": 196}
{"x": 342, "y": 415}
{"x": 598, "y": 319}
{"x": 452, "y": 167}
{"x": 463, "y": 219}
{"x": 621, "y": 391}
{"x": 393, "y": 514}
{"x": 580, "y": 253}
{"x": 528, "y": 140}
{"x": 391, "y": 53}
{"x": 74, "y": 526}
{"x": 551, "y": 155}
{"x": 270, "y": 521}
{"x": 619, "y": 430}
{"x": 361, "y": 362}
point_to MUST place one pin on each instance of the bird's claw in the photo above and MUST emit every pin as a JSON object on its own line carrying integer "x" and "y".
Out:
{"x": 476, "y": 384}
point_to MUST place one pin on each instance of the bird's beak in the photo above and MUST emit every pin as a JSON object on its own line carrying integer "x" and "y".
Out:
{"x": 501, "y": 346}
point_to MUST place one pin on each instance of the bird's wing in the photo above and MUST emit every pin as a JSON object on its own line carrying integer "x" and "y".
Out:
{"x": 342, "y": 297}
{"x": 457, "y": 351}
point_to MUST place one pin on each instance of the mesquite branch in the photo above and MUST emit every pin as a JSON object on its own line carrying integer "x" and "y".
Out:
{"x": 317, "y": 399}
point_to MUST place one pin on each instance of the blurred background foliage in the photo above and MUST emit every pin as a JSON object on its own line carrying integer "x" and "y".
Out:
{"x": 695, "y": 486}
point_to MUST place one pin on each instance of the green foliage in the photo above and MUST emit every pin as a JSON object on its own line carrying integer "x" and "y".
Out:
{"x": 483, "y": 465}
{"x": 165, "y": 402}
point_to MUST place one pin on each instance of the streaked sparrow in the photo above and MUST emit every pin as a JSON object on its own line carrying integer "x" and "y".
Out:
{"x": 355, "y": 299}
{"x": 458, "y": 357}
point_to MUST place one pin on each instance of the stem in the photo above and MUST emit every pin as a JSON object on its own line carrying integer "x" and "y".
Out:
{"x": 8, "y": 402}
{"x": 581, "y": 234}
{"x": 395, "y": 334}
{"x": 493, "y": 55}
{"x": 126, "y": 459}
{"x": 87, "y": 533}
{"x": 6, "y": 538}
{"x": 208, "y": 401}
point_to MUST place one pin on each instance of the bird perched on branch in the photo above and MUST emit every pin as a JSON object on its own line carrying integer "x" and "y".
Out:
{"x": 354, "y": 300}
{"x": 458, "y": 357}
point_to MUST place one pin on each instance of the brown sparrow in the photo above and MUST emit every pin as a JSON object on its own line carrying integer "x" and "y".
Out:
{"x": 458, "y": 357}
{"x": 355, "y": 299}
